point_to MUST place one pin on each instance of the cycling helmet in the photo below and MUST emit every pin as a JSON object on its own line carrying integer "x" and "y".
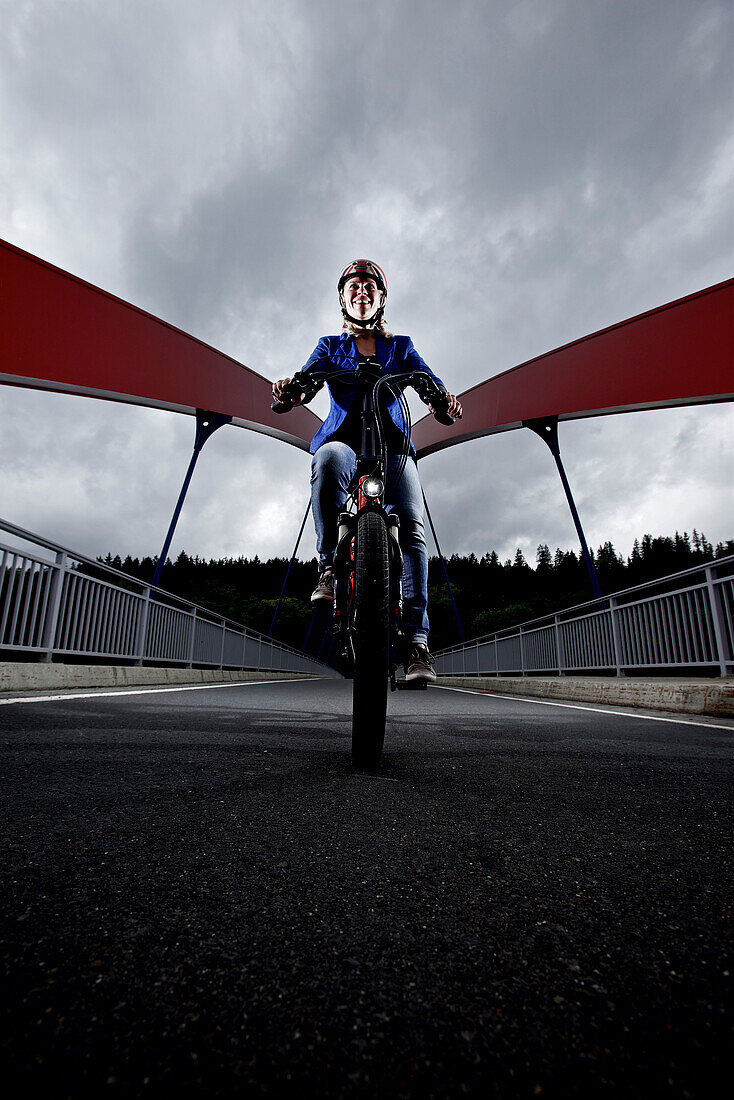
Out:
{"x": 364, "y": 269}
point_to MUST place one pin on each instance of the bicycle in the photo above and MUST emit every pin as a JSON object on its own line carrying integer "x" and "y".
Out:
{"x": 368, "y": 561}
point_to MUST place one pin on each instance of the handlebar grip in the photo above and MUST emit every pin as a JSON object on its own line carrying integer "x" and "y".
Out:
{"x": 433, "y": 395}
{"x": 441, "y": 413}
{"x": 281, "y": 406}
{"x": 290, "y": 395}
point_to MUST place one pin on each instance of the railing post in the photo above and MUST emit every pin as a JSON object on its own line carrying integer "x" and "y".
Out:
{"x": 718, "y": 619}
{"x": 54, "y": 605}
{"x": 615, "y": 637}
{"x": 142, "y": 633}
{"x": 224, "y": 638}
{"x": 560, "y": 655}
{"x": 522, "y": 655}
{"x": 192, "y": 641}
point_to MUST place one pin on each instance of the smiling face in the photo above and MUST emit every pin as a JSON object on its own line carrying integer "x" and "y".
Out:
{"x": 362, "y": 298}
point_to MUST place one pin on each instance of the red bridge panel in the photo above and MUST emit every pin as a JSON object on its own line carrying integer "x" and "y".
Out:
{"x": 58, "y": 332}
{"x": 678, "y": 354}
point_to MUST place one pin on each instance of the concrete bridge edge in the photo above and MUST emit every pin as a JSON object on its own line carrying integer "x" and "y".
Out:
{"x": 18, "y": 676}
{"x": 712, "y": 697}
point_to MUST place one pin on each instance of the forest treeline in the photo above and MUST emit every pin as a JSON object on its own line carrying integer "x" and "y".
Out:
{"x": 489, "y": 594}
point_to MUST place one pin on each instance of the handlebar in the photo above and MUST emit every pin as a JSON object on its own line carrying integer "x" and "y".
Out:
{"x": 311, "y": 382}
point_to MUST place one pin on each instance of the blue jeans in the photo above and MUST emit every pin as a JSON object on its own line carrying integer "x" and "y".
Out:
{"x": 332, "y": 469}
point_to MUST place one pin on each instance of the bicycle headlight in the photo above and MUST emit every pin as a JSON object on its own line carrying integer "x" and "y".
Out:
{"x": 372, "y": 487}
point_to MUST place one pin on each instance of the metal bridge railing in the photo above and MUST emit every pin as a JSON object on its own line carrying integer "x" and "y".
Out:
{"x": 682, "y": 622}
{"x": 55, "y": 603}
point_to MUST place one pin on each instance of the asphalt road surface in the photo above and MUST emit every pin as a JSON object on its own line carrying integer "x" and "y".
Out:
{"x": 199, "y": 897}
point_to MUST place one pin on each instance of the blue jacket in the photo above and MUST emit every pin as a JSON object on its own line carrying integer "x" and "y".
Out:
{"x": 396, "y": 356}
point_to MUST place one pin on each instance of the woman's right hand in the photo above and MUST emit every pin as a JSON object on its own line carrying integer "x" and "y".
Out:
{"x": 279, "y": 388}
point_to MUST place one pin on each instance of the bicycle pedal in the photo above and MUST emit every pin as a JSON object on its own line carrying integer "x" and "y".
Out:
{"x": 411, "y": 685}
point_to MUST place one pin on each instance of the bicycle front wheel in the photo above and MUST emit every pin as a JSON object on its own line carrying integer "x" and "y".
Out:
{"x": 371, "y": 636}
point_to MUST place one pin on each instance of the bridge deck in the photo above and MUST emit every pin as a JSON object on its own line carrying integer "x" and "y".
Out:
{"x": 197, "y": 891}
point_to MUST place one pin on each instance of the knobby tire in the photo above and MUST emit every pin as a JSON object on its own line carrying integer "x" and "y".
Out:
{"x": 371, "y": 640}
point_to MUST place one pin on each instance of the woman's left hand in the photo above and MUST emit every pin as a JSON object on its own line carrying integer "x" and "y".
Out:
{"x": 454, "y": 407}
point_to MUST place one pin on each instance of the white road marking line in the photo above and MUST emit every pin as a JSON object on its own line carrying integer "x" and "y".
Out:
{"x": 381, "y": 778}
{"x": 592, "y": 710}
{"x": 143, "y": 691}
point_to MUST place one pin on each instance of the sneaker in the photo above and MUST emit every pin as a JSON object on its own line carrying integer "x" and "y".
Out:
{"x": 419, "y": 665}
{"x": 324, "y": 590}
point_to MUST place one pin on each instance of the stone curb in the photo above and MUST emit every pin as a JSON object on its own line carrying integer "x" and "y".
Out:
{"x": 21, "y": 676}
{"x": 710, "y": 697}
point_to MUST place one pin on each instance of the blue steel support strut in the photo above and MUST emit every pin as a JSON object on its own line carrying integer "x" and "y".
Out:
{"x": 547, "y": 429}
{"x": 206, "y": 424}
{"x": 308, "y": 632}
{"x": 445, "y": 571}
{"x": 325, "y": 635}
{"x": 288, "y": 570}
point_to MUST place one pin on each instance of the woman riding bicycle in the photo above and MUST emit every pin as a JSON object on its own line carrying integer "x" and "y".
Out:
{"x": 362, "y": 289}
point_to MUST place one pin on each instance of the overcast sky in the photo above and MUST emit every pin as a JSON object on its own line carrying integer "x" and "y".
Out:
{"x": 525, "y": 172}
